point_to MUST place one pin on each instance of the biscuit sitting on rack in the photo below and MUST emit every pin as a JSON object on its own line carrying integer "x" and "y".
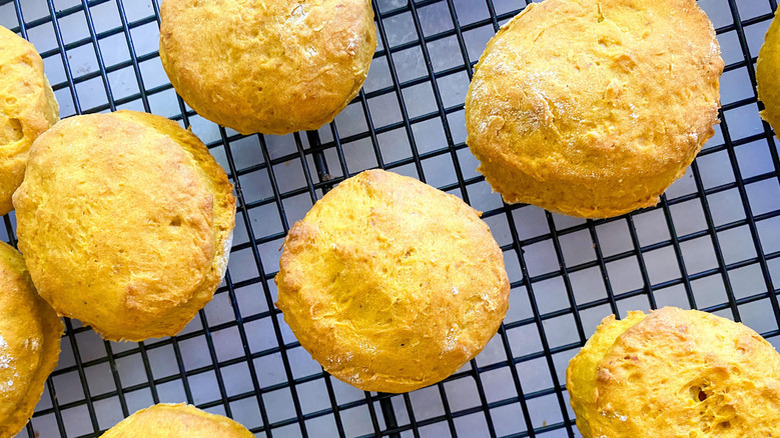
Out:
{"x": 271, "y": 66}
{"x": 29, "y": 343}
{"x": 768, "y": 75}
{"x": 390, "y": 284}
{"x": 125, "y": 221}
{"x": 27, "y": 108}
{"x": 177, "y": 421}
{"x": 675, "y": 373}
{"x": 592, "y": 108}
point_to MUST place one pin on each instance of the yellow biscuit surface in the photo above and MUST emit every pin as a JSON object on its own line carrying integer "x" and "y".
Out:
{"x": 390, "y": 284}
{"x": 272, "y": 66}
{"x": 125, "y": 221}
{"x": 27, "y": 108}
{"x": 592, "y": 108}
{"x": 767, "y": 71}
{"x": 176, "y": 421}
{"x": 676, "y": 373}
{"x": 29, "y": 343}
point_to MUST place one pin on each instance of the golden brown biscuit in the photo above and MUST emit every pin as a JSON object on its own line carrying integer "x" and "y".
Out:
{"x": 176, "y": 421}
{"x": 592, "y": 108}
{"x": 273, "y": 66}
{"x": 675, "y": 373}
{"x": 29, "y": 343}
{"x": 390, "y": 284}
{"x": 27, "y": 108}
{"x": 767, "y": 71}
{"x": 125, "y": 222}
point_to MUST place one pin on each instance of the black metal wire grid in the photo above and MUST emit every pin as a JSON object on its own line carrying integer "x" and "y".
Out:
{"x": 710, "y": 244}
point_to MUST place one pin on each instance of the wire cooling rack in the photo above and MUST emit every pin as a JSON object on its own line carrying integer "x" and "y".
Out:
{"x": 713, "y": 242}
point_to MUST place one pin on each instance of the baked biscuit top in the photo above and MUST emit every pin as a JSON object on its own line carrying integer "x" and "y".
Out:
{"x": 27, "y": 109}
{"x": 391, "y": 284}
{"x": 676, "y": 373}
{"x": 176, "y": 421}
{"x": 271, "y": 66}
{"x": 124, "y": 220}
{"x": 592, "y": 108}
{"x": 29, "y": 343}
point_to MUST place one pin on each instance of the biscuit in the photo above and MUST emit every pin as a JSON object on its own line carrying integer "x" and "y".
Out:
{"x": 767, "y": 71}
{"x": 125, "y": 221}
{"x": 592, "y": 108}
{"x": 273, "y": 66}
{"x": 176, "y": 421}
{"x": 29, "y": 343}
{"x": 390, "y": 284}
{"x": 675, "y": 373}
{"x": 27, "y": 108}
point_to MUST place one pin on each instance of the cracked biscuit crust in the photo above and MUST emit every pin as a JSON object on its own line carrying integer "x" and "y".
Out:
{"x": 593, "y": 108}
